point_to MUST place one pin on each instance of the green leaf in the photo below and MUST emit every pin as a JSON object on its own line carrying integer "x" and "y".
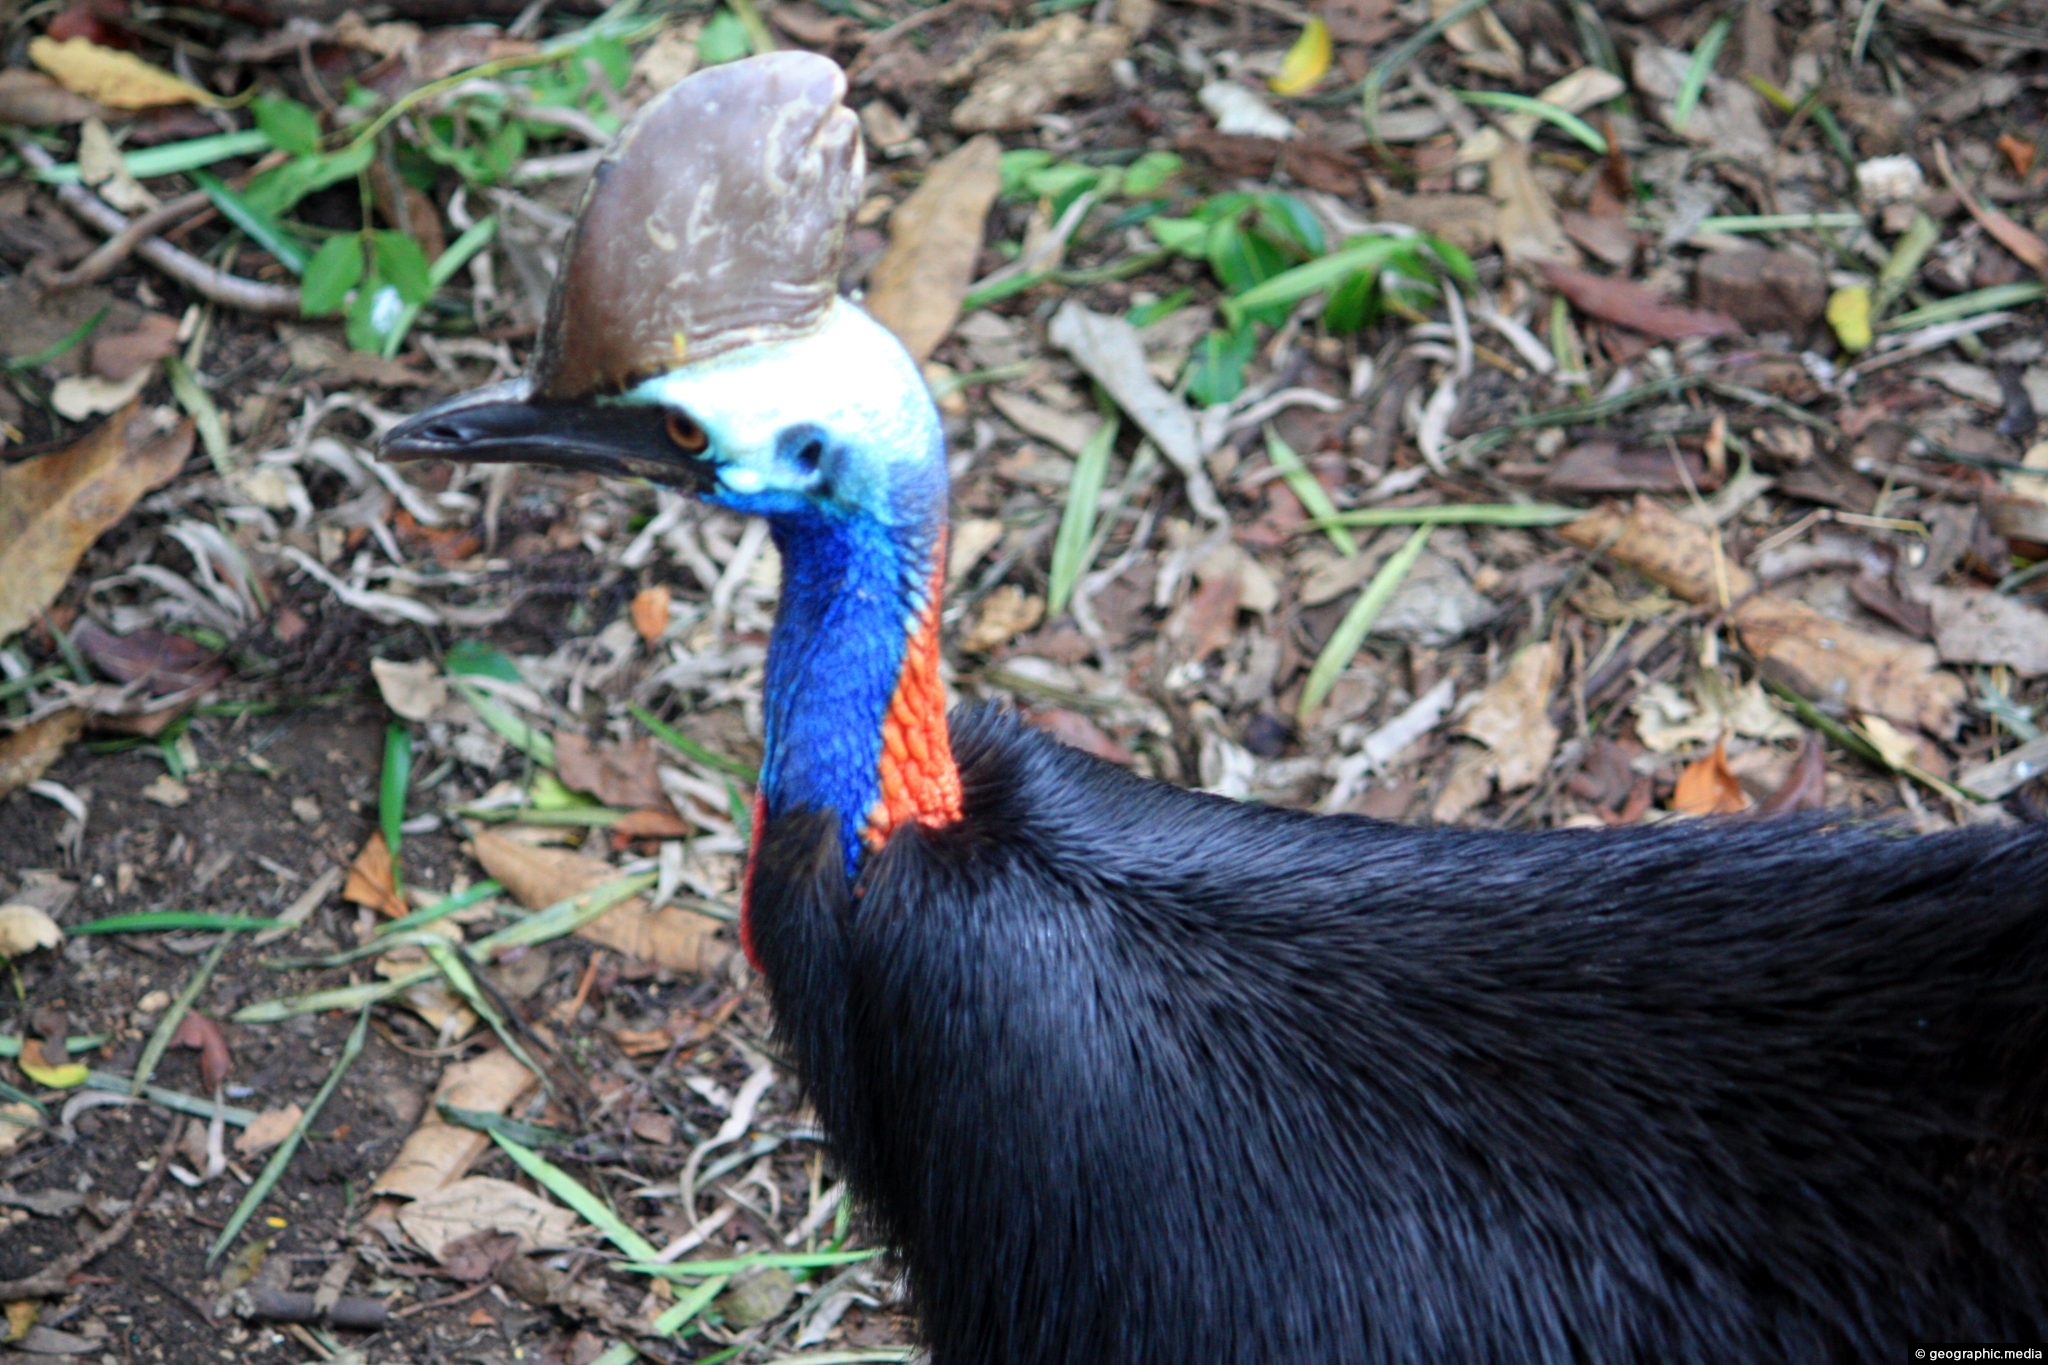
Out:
{"x": 504, "y": 150}
{"x": 1216, "y": 374}
{"x": 475, "y": 659}
{"x": 723, "y": 39}
{"x": 1149, "y": 173}
{"x": 334, "y": 270}
{"x": 1077, "y": 519}
{"x": 1018, "y": 168}
{"x": 1697, "y": 71}
{"x": 290, "y": 126}
{"x": 459, "y": 253}
{"x": 276, "y": 191}
{"x": 391, "y": 791}
{"x": 1290, "y": 222}
{"x": 401, "y": 264}
{"x": 1143, "y": 315}
{"x": 263, "y": 229}
{"x": 376, "y": 309}
{"x": 1364, "y": 255}
{"x": 1183, "y": 236}
{"x": 168, "y": 922}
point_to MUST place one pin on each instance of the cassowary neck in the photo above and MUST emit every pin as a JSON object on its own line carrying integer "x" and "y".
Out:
{"x": 855, "y": 713}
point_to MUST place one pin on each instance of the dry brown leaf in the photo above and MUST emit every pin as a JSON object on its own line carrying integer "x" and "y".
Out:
{"x": 1018, "y": 76}
{"x": 197, "y": 1031}
{"x": 1004, "y": 614}
{"x": 616, "y": 774}
{"x": 1975, "y": 626}
{"x": 25, "y": 928}
{"x": 1526, "y": 221}
{"x": 34, "y": 100}
{"x": 676, "y": 939}
{"x": 1823, "y": 659}
{"x": 267, "y": 1129}
{"x": 650, "y": 612}
{"x": 1805, "y": 788}
{"x": 119, "y": 80}
{"x": 1630, "y": 305}
{"x": 53, "y": 507}
{"x": 482, "y": 1204}
{"x": 1512, "y": 717}
{"x": 18, "y": 1123}
{"x": 370, "y": 881}
{"x": 120, "y": 355}
{"x": 2019, "y": 153}
{"x": 414, "y": 691}
{"x": 437, "y": 1153}
{"x": 934, "y": 240}
{"x": 28, "y": 753}
{"x": 1706, "y": 787}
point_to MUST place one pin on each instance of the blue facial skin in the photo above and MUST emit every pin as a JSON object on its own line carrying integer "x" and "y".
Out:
{"x": 814, "y": 435}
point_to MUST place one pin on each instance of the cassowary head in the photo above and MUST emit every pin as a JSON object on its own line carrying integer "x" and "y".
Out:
{"x": 695, "y": 336}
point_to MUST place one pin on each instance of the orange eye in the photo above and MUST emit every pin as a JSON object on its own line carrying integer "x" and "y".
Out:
{"x": 689, "y": 438}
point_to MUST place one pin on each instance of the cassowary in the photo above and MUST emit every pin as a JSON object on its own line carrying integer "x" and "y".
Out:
{"x": 1131, "y": 1075}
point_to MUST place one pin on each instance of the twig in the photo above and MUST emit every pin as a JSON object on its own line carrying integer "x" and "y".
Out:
{"x": 55, "y": 1278}
{"x": 209, "y": 282}
{"x": 108, "y": 255}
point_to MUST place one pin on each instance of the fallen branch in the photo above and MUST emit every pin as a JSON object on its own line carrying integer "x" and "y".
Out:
{"x": 209, "y": 282}
{"x": 55, "y": 1278}
{"x": 108, "y": 255}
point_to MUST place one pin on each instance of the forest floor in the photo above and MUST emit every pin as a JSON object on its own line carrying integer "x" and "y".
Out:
{"x": 1527, "y": 414}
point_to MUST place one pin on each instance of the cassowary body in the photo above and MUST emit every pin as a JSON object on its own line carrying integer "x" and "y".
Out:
{"x": 1134, "y": 1075}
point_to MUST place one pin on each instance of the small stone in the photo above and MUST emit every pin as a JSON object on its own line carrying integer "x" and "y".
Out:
{"x": 156, "y": 1002}
{"x": 306, "y": 810}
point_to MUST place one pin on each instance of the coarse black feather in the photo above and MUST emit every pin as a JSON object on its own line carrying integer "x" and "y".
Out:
{"x": 1137, "y": 1076}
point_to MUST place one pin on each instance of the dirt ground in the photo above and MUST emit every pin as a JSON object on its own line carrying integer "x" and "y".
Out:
{"x": 1714, "y": 384}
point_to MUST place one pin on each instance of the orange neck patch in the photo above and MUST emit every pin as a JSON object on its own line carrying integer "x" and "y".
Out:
{"x": 919, "y": 779}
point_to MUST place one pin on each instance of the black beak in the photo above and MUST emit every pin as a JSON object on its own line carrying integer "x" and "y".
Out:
{"x": 502, "y": 424}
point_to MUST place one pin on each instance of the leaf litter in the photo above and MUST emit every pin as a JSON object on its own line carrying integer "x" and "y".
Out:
{"x": 1806, "y": 375}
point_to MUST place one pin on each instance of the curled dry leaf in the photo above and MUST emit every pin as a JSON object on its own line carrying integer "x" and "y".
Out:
{"x": 616, "y": 774}
{"x": 269, "y": 1128}
{"x": 28, "y": 753}
{"x": 197, "y": 1031}
{"x": 1827, "y": 660}
{"x": 1018, "y": 76}
{"x": 1630, "y": 305}
{"x": 414, "y": 691}
{"x": 438, "y": 1153}
{"x": 53, "y": 507}
{"x": 1707, "y": 787}
{"x": 370, "y": 881}
{"x": 1511, "y": 721}
{"x": 935, "y": 237}
{"x": 119, "y": 80}
{"x": 25, "y": 928}
{"x": 482, "y": 1204}
{"x": 676, "y": 939}
{"x": 650, "y": 612}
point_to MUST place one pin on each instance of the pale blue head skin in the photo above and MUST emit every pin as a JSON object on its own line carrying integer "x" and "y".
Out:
{"x": 833, "y": 438}
{"x": 833, "y": 424}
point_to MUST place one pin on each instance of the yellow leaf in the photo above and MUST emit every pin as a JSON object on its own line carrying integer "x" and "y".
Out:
{"x": 1306, "y": 62}
{"x": 1849, "y": 315}
{"x": 69, "y": 1076}
{"x": 119, "y": 80}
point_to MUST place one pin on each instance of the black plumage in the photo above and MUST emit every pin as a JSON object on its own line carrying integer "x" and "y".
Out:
{"x": 1135, "y": 1074}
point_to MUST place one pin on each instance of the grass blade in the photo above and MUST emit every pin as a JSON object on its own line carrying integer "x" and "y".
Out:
{"x": 1309, "y": 492}
{"x": 1077, "y": 518}
{"x": 1556, "y": 115}
{"x": 391, "y": 790}
{"x": 169, "y": 922}
{"x": 160, "y": 1040}
{"x": 1369, "y": 256}
{"x": 588, "y": 1206}
{"x": 273, "y": 1169}
{"x": 1462, "y": 514}
{"x": 172, "y": 158}
{"x": 690, "y": 748}
{"x": 1351, "y": 631}
{"x": 262, "y": 227}
{"x": 1697, "y": 70}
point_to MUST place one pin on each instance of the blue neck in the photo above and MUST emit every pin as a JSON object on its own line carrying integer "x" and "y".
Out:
{"x": 851, "y": 589}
